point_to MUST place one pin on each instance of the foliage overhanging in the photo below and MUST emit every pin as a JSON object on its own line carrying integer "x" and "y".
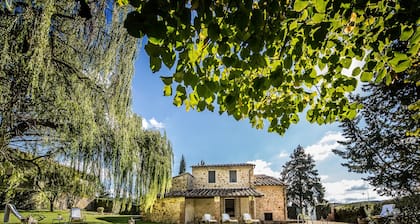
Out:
{"x": 259, "y": 59}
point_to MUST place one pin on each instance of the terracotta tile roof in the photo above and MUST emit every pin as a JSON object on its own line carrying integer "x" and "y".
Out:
{"x": 264, "y": 180}
{"x": 224, "y": 165}
{"x": 222, "y": 192}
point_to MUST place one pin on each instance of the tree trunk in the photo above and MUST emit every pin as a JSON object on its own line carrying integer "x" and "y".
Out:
{"x": 52, "y": 200}
{"x": 51, "y": 205}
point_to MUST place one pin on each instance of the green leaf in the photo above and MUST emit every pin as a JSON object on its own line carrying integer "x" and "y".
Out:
{"x": 179, "y": 76}
{"x": 371, "y": 65}
{"x": 213, "y": 31}
{"x": 313, "y": 73}
{"x": 402, "y": 66}
{"x": 406, "y": 34}
{"x": 193, "y": 99}
{"x": 190, "y": 79}
{"x": 133, "y": 23}
{"x": 167, "y": 80}
{"x": 201, "y": 106}
{"x": 293, "y": 25}
{"x": 156, "y": 41}
{"x": 258, "y": 61}
{"x": 346, "y": 62}
{"x": 320, "y": 5}
{"x": 155, "y": 64}
{"x": 351, "y": 114}
{"x": 356, "y": 71}
{"x": 288, "y": 62}
{"x": 400, "y": 62}
{"x": 177, "y": 101}
{"x": 317, "y": 18}
{"x": 300, "y": 5}
{"x": 381, "y": 75}
{"x": 388, "y": 78}
{"x": 223, "y": 49}
{"x": 257, "y": 18}
{"x": 152, "y": 50}
{"x": 366, "y": 76}
{"x": 167, "y": 90}
{"x": 168, "y": 58}
{"x": 157, "y": 30}
{"x": 228, "y": 61}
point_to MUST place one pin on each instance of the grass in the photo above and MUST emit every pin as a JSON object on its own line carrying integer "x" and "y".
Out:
{"x": 89, "y": 217}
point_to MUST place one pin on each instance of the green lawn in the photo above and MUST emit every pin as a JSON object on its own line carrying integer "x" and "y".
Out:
{"x": 89, "y": 217}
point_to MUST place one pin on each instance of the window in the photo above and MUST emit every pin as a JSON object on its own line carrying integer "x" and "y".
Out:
{"x": 230, "y": 207}
{"x": 212, "y": 176}
{"x": 268, "y": 216}
{"x": 232, "y": 176}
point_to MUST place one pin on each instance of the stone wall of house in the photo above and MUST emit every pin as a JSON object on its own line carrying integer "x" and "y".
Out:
{"x": 189, "y": 211}
{"x": 167, "y": 210}
{"x": 244, "y": 176}
{"x": 273, "y": 201}
{"x": 182, "y": 182}
{"x": 206, "y": 205}
{"x": 244, "y": 205}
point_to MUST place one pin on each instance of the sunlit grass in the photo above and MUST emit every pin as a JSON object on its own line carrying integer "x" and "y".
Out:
{"x": 89, "y": 217}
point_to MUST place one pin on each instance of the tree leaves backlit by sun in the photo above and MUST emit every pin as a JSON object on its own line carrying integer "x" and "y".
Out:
{"x": 259, "y": 59}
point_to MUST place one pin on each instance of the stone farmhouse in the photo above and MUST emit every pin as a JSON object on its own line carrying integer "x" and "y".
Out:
{"x": 218, "y": 189}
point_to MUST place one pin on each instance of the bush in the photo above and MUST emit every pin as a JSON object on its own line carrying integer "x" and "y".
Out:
{"x": 346, "y": 214}
{"x": 322, "y": 211}
{"x": 100, "y": 210}
{"x": 409, "y": 207}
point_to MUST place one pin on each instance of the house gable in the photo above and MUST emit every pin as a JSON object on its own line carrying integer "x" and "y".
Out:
{"x": 226, "y": 175}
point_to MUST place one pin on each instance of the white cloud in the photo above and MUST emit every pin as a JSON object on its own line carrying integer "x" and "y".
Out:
{"x": 263, "y": 167}
{"x": 323, "y": 148}
{"x": 323, "y": 177}
{"x": 283, "y": 154}
{"x": 345, "y": 191}
{"x": 152, "y": 124}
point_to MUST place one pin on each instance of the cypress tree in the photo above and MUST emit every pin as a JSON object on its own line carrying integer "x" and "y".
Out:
{"x": 182, "y": 165}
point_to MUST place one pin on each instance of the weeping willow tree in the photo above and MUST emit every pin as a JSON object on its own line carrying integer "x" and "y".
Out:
{"x": 65, "y": 81}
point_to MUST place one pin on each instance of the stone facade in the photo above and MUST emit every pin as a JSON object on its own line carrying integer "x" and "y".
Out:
{"x": 168, "y": 210}
{"x": 272, "y": 203}
{"x": 244, "y": 176}
{"x": 192, "y": 196}
{"x": 182, "y": 182}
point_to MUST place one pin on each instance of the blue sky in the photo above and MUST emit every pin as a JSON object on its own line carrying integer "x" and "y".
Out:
{"x": 219, "y": 139}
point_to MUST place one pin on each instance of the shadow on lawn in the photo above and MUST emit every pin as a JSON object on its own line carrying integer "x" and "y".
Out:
{"x": 114, "y": 219}
{"x": 121, "y": 219}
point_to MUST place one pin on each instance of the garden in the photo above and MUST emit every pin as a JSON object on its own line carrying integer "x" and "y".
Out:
{"x": 63, "y": 216}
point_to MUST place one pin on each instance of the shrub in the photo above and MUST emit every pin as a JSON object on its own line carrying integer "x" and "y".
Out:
{"x": 409, "y": 207}
{"x": 346, "y": 214}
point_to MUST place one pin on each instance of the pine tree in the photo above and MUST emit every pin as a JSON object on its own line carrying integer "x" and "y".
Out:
{"x": 304, "y": 185}
{"x": 182, "y": 165}
{"x": 379, "y": 143}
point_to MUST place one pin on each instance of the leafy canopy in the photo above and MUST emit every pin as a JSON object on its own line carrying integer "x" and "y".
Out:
{"x": 259, "y": 59}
